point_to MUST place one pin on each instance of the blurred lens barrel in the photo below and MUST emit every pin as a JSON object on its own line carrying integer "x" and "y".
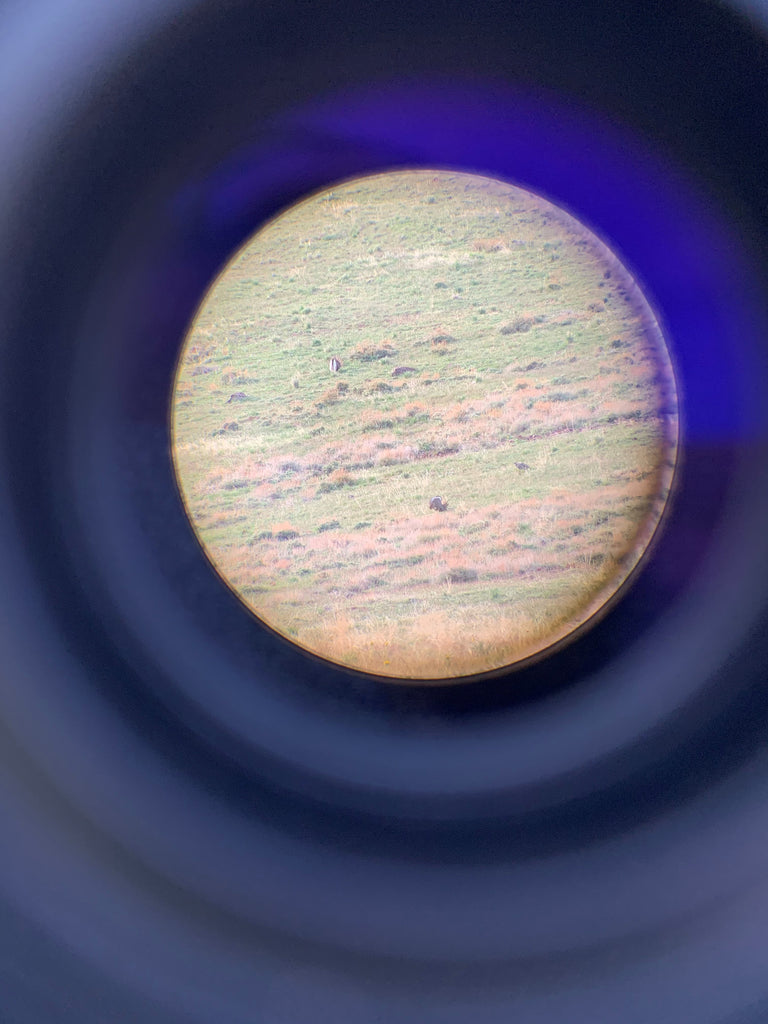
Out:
{"x": 203, "y": 823}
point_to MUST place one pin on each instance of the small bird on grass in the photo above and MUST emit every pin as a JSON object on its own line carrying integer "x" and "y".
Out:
{"x": 522, "y": 465}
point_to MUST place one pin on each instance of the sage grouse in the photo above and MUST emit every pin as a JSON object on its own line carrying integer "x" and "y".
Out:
{"x": 335, "y": 365}
{"x": 438, "y": 504}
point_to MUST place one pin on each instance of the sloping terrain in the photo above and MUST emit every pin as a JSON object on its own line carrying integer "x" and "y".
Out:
{"x": 492, "y": 353}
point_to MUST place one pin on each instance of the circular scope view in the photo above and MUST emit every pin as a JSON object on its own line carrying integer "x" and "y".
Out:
{"x": 424, "y": 424}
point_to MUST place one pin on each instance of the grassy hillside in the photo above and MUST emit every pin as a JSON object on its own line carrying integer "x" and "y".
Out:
{"x": 493, "y": 353}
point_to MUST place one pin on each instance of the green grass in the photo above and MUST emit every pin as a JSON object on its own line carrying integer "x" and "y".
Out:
{"x": 312, "y": 493}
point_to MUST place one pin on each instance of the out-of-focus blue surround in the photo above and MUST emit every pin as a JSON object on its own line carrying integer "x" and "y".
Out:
{"x": 201, "y": 824}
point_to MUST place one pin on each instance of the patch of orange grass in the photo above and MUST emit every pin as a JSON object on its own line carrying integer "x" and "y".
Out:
{"x": 395, "y": 456}
{"x": 327, "y": 398}
{"x": 456, "y": 411}
{"x": 415, "y": 409}
{"x": 369, "y": 419}
{"x": 431, "y": 645}
{"x": 218, "y": 518}
{"x": 283, "y": 525}
{"x": 341, "y": 478}
{"x": 431, "y": 642}
{"x": 489, "y": 244}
